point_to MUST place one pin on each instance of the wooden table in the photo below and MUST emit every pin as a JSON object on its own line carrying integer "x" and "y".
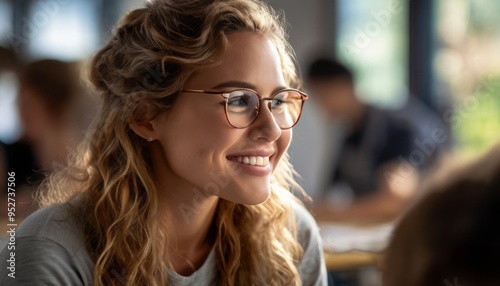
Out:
{"x": 352, "y": 260}
{"x": 350, "y": 246}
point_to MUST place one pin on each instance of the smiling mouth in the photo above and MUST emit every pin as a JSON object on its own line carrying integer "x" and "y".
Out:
{"x": 251, "y": 160}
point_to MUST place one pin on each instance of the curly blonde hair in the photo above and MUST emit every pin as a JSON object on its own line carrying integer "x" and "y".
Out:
{"x": 153, "y": 52}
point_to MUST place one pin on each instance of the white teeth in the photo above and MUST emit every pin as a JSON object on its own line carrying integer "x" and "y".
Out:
{"x": 252, "y": 160}
{"x": 259, "y": 161}
{"x": 246, "y": 160}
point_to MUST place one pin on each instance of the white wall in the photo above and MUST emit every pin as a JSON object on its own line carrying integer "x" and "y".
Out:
{"x": 309, "y": 24}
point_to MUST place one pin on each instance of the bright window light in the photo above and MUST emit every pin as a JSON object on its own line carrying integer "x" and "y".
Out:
{"x": 65, "y": 30}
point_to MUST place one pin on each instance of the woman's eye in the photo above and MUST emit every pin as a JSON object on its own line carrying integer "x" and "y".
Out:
{"x": 238, "y": 101}
{"x": 280, "y": 100}
{"x": 242, "y": 103}
{"x": 277, "y": 103}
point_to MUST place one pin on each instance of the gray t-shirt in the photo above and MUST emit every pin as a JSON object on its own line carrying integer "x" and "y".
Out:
{"x": 49, "y": 250}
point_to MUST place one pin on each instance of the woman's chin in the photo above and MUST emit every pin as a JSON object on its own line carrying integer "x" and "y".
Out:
{"x": 250, "y": 194}
{"x": 256, "y": 200}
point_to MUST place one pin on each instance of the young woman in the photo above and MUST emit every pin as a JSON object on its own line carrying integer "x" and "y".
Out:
{"x": 184, "y": 178}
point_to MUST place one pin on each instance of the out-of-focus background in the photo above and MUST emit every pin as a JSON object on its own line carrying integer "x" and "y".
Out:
{"x": 66, "y": 30}
{"x": 440, "y": 55}
{"x": 445, "y": 52}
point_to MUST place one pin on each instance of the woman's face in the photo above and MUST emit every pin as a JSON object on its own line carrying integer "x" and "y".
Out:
{"x": 202, "y": 153}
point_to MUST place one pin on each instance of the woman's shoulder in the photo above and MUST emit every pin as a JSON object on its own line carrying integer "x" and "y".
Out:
{"x": 308, "y": 233}
{"x": 311, "y": 267}
{"x": 48, "y": 249}
{"x": 306, "y": 224}
{"x": 59, "y": 223}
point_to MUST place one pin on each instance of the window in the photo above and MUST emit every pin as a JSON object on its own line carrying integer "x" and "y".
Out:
{"x": 66, "y": 30}
{"x": 372, "y": 40}
{"x": 5, "y": 22}
{"x": 10, "y": 126}
{"x": 467, "y": 66}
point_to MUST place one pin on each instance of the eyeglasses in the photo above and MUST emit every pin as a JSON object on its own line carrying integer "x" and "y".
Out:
{"x": 242, "y": 106}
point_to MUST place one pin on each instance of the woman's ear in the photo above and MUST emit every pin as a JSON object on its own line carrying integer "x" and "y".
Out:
{"x": 143, "y": 129}
{"x": 144, "y": 125}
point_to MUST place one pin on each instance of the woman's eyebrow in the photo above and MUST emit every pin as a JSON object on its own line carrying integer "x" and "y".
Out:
{"x": 234, "y": 83}
{"x": 242, "y": 84}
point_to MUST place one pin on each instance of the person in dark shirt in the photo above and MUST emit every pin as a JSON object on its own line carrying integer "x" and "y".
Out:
{"x": 20, "y": 158}
{"x": 371, "y": 177}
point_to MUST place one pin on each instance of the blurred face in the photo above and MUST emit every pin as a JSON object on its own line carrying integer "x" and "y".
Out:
{"x": 201, "y": 151}
{"x": 33, "y": 113}
{"x": 334, "y": 96}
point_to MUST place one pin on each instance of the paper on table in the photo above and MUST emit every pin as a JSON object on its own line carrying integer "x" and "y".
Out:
{"x": 342, "y": 238}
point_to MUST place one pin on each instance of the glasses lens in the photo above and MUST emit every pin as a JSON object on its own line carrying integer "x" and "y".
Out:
{"x": 242, "y": 108}
{"x": 286, "y": 107}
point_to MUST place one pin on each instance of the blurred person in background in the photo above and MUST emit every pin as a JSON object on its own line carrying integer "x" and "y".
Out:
{"x": 8, "y": 60}
{"x": 451, "y": 236}
{"x": 53, "y": 106}
{"x": 9, "y": 64}
{"x": 9, "y": 68}
{"x": 375, "y": 172}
